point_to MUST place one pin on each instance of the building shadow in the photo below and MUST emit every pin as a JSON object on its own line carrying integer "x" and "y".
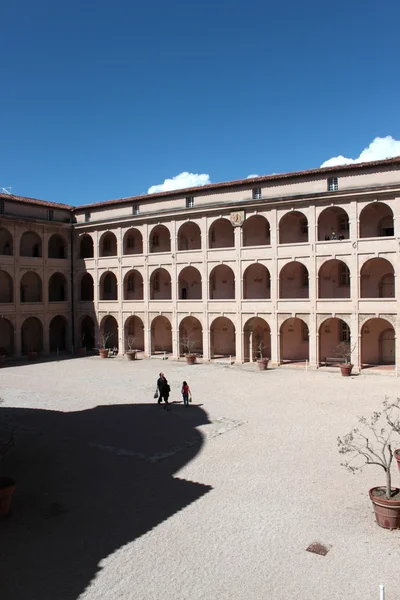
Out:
{"x": 89, "y": 482}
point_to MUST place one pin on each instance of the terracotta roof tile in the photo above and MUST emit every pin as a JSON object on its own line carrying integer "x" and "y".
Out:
{"x": 34, "y": 201}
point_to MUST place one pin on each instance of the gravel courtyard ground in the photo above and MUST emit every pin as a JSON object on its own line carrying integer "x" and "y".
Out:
{"x": 120, "y": 499}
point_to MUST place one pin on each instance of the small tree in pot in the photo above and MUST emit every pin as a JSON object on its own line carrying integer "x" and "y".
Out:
{"x": 103, "y": 339}
{"x": 262, "y": 361}
{"x": 188, "y": 346}
{"x": 131, "y": 354}
{"x": 344, "y": 350}
{"x": 373, "y": 443}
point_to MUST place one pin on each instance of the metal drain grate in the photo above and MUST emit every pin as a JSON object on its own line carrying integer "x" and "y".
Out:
{"x": 318, "y": 548}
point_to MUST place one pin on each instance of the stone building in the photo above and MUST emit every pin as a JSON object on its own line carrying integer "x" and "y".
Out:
{"x": 297, "y": 262}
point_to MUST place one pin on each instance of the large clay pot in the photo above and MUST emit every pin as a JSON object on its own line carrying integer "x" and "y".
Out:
{"x": 103, "y": 352}
{"x": 396, "y": 454}
{"x": 387, "y": 512}
{"x": 263, "y": 364}
{"x": 32, "y": 355}
{"x": 131, "y": 355}
{"x": 346, "y": 369}
{"x": 190, "y": 359}
{"x": 7, "y": 488}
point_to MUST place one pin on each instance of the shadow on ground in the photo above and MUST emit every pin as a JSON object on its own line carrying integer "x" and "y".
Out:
{"x": 88, "y": 483}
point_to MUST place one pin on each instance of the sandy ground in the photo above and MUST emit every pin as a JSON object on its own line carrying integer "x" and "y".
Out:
{"x": 120, "y": 499}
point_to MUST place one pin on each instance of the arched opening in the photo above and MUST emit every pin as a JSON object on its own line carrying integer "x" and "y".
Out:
{"x": 87, "y": 288}
{"x": 57, "y": 247}
{"x": 134, "y": 333}
{"x": 190, "y": 336}
{"x": 377, "y": 278}
{"x": 30, "y": 288}
{"x": 160, "y": 239}
{"x": 108, "y": 286}
{"x": 189, "y": 284}
{"x": 160, "y": 285}
{"x": 6, "y": 288}
{"x": 221, "y": 234}
{"x": 31, "y": 335}
{"x": 293, "y": 228}
{"x": 108, "y": 244}
{"x": 222, "y": 283}
{"x": 6, "y": 337}
{"x": 293, "y": 281}
{"x": 58, "y": 288}
{"x": 332, "y": 333}
{"x": 378, "y": 343}
{"x": 256, "y": 282}
{"x": 133, "y": 242}
{"x": 30, "y": 245}
{"x": 257, "y": 339}
{"x": 376, "y": 220}
{"x": 133, "y": 285}
{"x": 334, "y": 280}
{"x": 333, "y": 224}
{"x": 189, "y": 236}
{"x": 87, "y": 333}
{"x": 294, "y": 340}
{"x": 222, "y": 338}
{"x": 86, "y": 246}
{"x": 58, "y": 334}
{"x": 109, "y": 329}
{"x": 161, "y": 335}
{"x": 256, "y": 231}
{"x": 6, "y": 242}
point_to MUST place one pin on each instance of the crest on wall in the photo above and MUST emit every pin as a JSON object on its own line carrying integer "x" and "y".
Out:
{"x": 237, "y": 218}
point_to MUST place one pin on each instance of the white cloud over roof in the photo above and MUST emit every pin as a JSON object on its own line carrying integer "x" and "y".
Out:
{"x": 181, "y": 181}
{"x": 379, "y": 149}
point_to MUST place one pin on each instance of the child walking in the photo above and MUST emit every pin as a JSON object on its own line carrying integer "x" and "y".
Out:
{"x": 186, "y": 393}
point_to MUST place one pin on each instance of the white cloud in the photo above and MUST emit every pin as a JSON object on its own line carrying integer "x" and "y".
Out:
{"x": 379, "y": 149}
{"x": 251, "y": 176}
{"x": 181, "y": 181}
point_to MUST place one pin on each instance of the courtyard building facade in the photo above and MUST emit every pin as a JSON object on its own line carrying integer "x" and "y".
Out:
{"x": 288, "y": 265}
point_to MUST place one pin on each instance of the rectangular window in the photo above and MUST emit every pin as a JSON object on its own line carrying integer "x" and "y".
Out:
{"x": 344, "y": 224}
{"x": 135, "y": 209}
{"x": 1, "y": 207}
{"x": 107, "y": 244}
{"x": 344, "y": 332}
{"x": 131, "y": 283}
{"x": 131, "y": 242}
{"x": 87, "y": 217}
{"x": 189, "y": 202}
{"x": 257, "y": 195}
{"x": 155, "y": 240}
{"x": 305, "y": 332}
{"x": 305, "y": 278}
{"x": 156, "y": 283}
{"x": 344, "y": 275}
{"x": 333, "y": 184}
{"x": 50, "y": 215}
{"x": 304, "y": 226}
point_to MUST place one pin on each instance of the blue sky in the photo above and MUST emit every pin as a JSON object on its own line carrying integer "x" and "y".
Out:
{"x": 102, "y": 100}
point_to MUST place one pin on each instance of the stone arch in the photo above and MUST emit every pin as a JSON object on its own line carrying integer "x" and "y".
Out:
{"x": 58, "y": 288}
{"x": 189, "y": 236}
{"x": 376, "y": 220}
{"x": 160, "y": 239}
{"x": 378, "y": 343}
{"x": 87, "y": 333}
{"x": 57, "y": 246}
{"x": 221, "y": 235}
{"x": 31, "y": 335}
{"x": 133, "y": 241}
{"x": 6, "y": 337}
{"x": 293, "y": 281}
{"x": 160, "y": 285}
{"x": 294, "y": 340}
{"x": 334, "y": 279}
{"x": 6, "y": 242}
{"x": 108, "y": 244}
{"x": 6, "y": 288}
{"x": 332, "y": 332}
{"x": 190, "y": 329}
{"x": 374, "y": 278}
{"x": 58, "y": 334}
{"x": 109, "y": 325}
{"x": 293, "y": 228}
{"x": 222, "y": 283}
{"x": 108, "y": 286}
{"x": 161, "y": 335}
{"x": 134, "y": 327}
{"x": 257, "y": 338}
{"x": 333, "y": 223}
{"x": 86, "y": 246}
{"x": 256, "y": 282}
{"x": 189, "y": 284}
{"x": 222, "y": 338}
{"x": 30, "y": 244}
{"x": 87, "y": 288}
{"x": 256, "y": 231}
{"x": 133, "y": 285}
{"x": 31, "y": 287}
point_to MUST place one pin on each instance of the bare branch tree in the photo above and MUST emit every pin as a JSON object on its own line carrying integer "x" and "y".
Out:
{"x": 104, "y": 337}
{"x": 345, "y": 350}
{"x": 188, "y": 344}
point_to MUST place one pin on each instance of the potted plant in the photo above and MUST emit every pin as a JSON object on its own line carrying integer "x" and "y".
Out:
{"x": 131, "y": 354}
{"x": 262, "y": 362}
{"x": 344, "y": 350}
{"x": 103, "y": 339}
{"x": 373, "y": 443}
{"x": 188, "y": 346}
{"x": 7, "y": 485}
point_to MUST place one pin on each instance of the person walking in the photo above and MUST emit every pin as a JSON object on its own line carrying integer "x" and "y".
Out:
{"x": 186, "y": 393}
{"x": 163, "y": 390}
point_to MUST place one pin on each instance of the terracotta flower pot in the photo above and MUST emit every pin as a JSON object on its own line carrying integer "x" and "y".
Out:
{"x": 32, "y": 355}
{"x": 387, "y": 512}
{"x": 104, "y": 352}
{"x": 7, "y": 488}
{"x": 191, "y": 359}
{"x": 262, "y": 363}
{"x": 346, "y": 369}
{"x": 396, "y": 454}
{"x": 131, "y": 355}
